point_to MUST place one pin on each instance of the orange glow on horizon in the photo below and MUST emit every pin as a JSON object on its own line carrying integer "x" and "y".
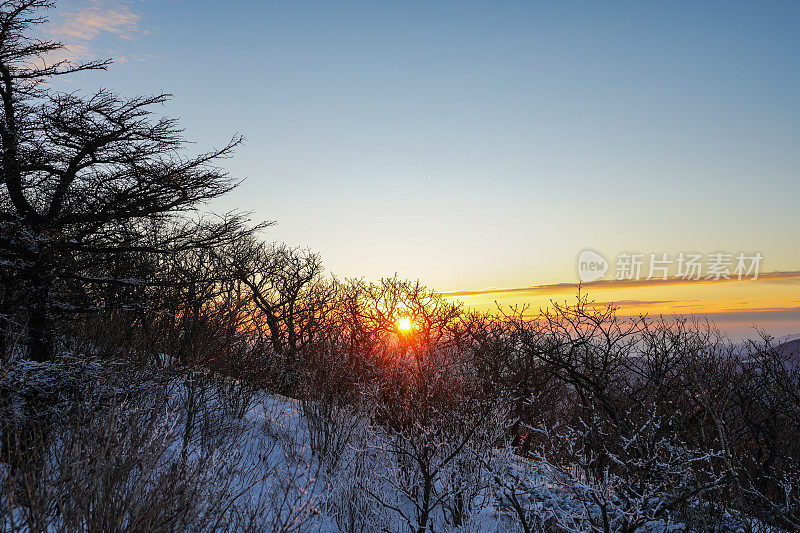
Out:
{"x": 771, "y": 302}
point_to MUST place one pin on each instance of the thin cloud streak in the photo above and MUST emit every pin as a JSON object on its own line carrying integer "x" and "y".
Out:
{"x": 621, "y": 284}
{"x": 642, "y": 303}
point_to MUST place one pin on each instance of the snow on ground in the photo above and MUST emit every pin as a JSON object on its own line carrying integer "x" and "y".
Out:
{"x": 250, "y": 454}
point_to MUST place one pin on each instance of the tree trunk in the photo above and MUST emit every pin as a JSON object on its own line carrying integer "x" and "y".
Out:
{"x": 8, "y": 308}
{"x": 5, "y": 310}
{"x": 275, "y": 333}
{"x": 40, "y": 321}
{"x": 40, "y": 334}
{"x": 427, "y": 488}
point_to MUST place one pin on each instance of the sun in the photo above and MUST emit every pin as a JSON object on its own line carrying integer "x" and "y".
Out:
{"x": 404, "y": 324}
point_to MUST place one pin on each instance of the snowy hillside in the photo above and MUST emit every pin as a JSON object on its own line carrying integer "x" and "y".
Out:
{"x": 172, "y": 450}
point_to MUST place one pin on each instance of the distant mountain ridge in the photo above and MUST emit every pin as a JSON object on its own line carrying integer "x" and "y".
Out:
{"x": 790, "y": 348}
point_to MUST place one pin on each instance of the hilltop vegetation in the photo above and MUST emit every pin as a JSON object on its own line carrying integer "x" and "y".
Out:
{"x": 165, "y": 369}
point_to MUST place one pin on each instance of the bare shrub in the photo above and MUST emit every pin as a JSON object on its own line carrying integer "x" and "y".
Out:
{"x": 348, "y": 504}
{"x": 330, "y": 429}
{"x": 435, "y": 439}
{"x": 329, "y": 404}
{"x": 120, "y": 461}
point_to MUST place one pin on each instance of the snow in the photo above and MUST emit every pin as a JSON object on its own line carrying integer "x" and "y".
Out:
{"x": 256, "y": 452}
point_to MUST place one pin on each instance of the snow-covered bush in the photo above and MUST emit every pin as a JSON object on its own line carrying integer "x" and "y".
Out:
{"x": 109, "y": 450}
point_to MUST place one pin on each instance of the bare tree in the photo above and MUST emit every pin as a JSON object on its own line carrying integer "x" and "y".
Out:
{"x": 85, "y": 180}
{"x": 287, "y": 289}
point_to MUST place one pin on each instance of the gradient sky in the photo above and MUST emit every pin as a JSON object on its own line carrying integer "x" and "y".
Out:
{"x": 484, "y": 145}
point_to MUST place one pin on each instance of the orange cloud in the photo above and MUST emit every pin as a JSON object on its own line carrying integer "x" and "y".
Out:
{"x": 790, "y": 276}
{"x": 772, "y": 302}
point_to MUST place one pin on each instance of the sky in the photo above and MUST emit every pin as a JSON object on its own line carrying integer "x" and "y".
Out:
{"x": 481, "y": 146}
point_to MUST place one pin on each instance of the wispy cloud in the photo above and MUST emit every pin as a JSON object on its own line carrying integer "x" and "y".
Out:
{"x": 636, "y": 303}
{"x": 787, "y": 276}
{"x": 778, "y": 314}
{"x": 77, "y": 25}
{"x": 99, "y": 16}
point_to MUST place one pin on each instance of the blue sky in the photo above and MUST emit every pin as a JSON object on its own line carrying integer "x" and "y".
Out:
{"x": 478, "y": 145}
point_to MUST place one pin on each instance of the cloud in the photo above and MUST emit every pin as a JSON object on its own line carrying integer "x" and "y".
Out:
{"x": 78, "y": 25}
{"x": 90, "y": 21}
{"x": 632, "y": 303}
{"x": 782, "y": 277}
{"x": 737, "y": 319}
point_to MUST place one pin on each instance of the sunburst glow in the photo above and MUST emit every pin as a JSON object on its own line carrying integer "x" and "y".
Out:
{"x": 404, "y": 323}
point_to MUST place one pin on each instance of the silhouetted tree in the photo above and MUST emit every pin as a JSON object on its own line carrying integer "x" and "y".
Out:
{"x": 86, "y": 182}
{"x": 286, "y": 288}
